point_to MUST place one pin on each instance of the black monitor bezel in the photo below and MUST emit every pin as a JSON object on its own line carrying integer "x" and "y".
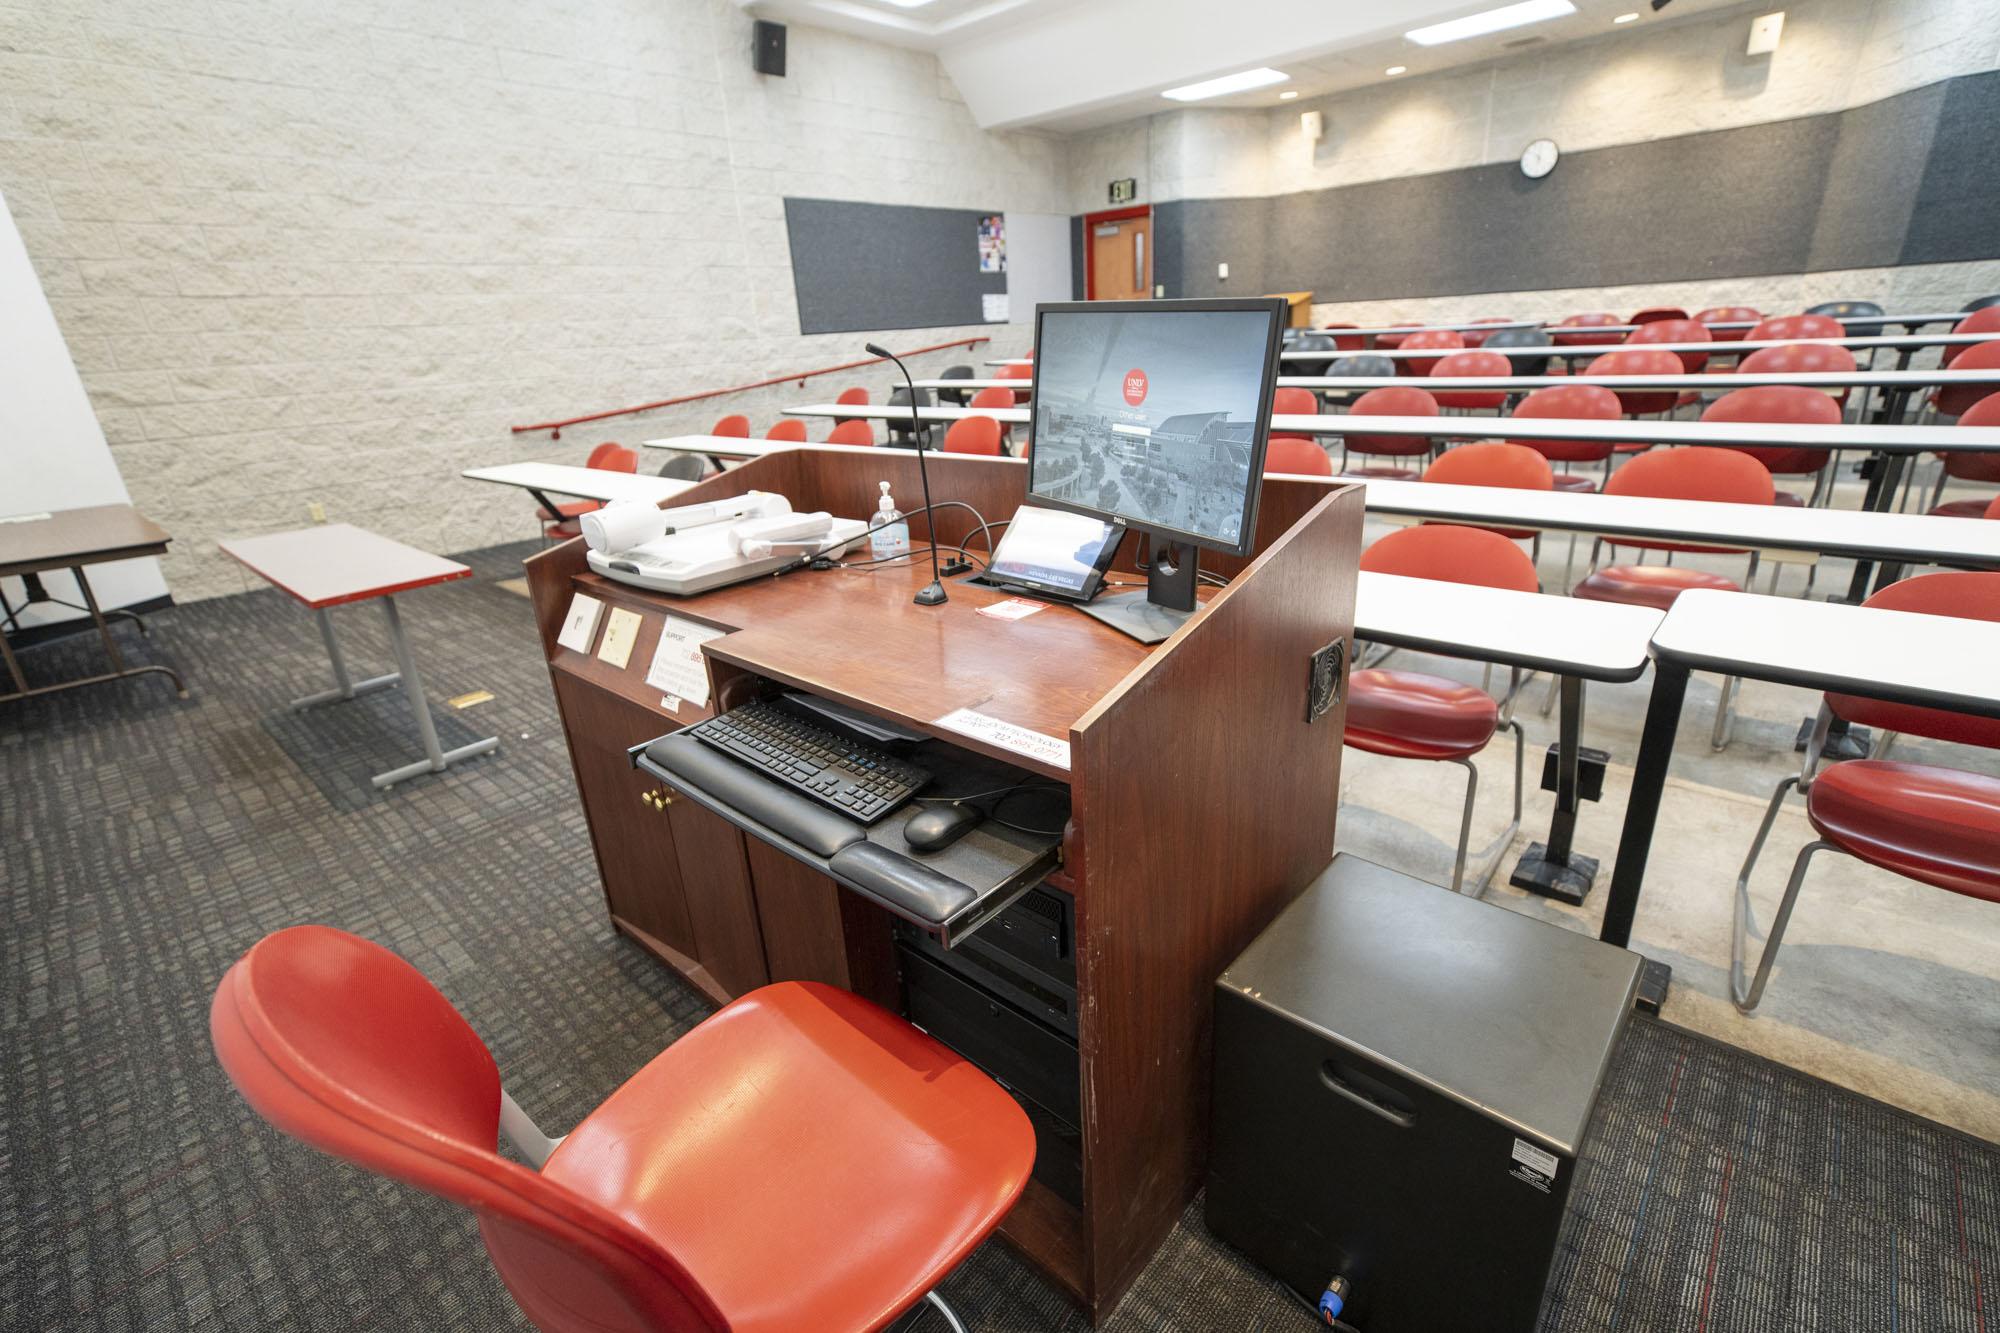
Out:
{"x": 1274, "y": 307}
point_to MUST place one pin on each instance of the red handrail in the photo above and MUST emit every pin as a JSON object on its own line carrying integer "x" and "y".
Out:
{"x": 554, "y": 428}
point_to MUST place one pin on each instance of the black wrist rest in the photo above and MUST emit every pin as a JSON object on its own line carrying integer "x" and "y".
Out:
{"x": 906, "y": 887}
{"x": 800, "y": 820}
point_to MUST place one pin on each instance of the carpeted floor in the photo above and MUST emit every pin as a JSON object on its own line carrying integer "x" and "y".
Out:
{"x": 145, "y": 842}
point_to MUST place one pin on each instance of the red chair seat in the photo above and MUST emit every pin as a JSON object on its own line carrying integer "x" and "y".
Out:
{"x": 1408, "y": 715}
{"x": 1383, "y": 473}
{"x": 1937, "y": 825}
{"x": 812, "y": 1160}
{"x": 1571, "y": 481}
{"x": 1648, "y": 585}
{"x": 1787, "y": 498}
{"x": 1961, "y": 509}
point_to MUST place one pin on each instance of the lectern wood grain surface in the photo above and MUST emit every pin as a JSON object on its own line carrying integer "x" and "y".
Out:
{"x": 1202, "y": 799}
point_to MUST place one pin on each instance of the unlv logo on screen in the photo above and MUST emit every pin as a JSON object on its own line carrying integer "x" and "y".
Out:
{"x": 1135, "y": 387}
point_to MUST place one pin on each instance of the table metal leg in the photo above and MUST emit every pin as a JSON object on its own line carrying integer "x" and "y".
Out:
{"x": 118, "y": 667}
{"x": 345, "y": 687}
{"x": 1552, "y": 868}
{"x": 436, "y": 760}
{"x": 1642, "y": 812}
{"x": 13, "y": 667}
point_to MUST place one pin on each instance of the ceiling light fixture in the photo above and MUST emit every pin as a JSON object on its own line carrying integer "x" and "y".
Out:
{"x": 1228, "y": 83}
{"x": 1493, "y": 20}
{"x": 1625, "y": 18}
{"x": 1288, "y": 96}
{"x": 1394, "y": 70}
{"x": 907, "y": 4}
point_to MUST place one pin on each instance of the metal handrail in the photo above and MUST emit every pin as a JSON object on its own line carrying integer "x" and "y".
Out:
{"x": 554, "y": 428}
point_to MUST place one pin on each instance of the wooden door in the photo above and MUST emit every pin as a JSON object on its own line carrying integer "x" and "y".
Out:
{"x": 1121, "y": 257}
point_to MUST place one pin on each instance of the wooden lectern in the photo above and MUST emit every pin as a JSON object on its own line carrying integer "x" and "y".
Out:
{"x": 1202, "y": 797}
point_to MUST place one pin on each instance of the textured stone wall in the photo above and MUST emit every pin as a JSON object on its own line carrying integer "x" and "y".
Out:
{"x": 330, "y": 252}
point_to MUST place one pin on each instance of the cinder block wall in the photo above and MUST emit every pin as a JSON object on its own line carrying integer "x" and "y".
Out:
{"x": 331, "y": 252}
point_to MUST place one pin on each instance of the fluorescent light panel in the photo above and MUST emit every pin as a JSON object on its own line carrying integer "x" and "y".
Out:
{"x": 1492, "y": 20}
{"x": 1229, "y": 83}
{"x": 907, "y": 4}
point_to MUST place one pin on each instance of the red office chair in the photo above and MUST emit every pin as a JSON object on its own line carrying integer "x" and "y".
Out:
{"x": 852, "y": 432}
{"x": 1396, "y": 400}
{"x": 1411, "y": 715}
{"x": 1476, "y": 338}
{"x": 1470, "y": 364}
{"x": 1955, "y": 399}
{"x": 855, "y": 397}
{"x": 1727, "y": 314}
{"x": 1984, "y": 320}
{"x": 791, "y": 428}
{"x": 1687, "y": 473}
{"x": 1016, "y": 373}
{"x": 1298, "y": 455}
{"x": 1028, "y": 355}
{"x": 1789, "y": 328}
{"x": 1801, "y": 358}
{"x": 1781, "y": 404}
{"x": 995, "y": 397}
{"x": 1674, "y": 331}
{"x": 800, "y": 1160}
{"x": 1352, "y": 342}
{"x": 1659, "y": 314}
{"x": 1495, "y": 463}
{"x": 1640, "y": 361}
{"x": 735, "y": 424}
{"x": 1424, "y": 340}
{"x": 1579, "y": 402}
{"x": 1294, "y": 402}
{"x": 1588, "y": 323}
{"x": 1938, "y": 826}
{"x": 1394, "y": 340}
{"x": 1970, "y": 467}
{"x": 605, "y": 458}
{"x": 973, "y": 435}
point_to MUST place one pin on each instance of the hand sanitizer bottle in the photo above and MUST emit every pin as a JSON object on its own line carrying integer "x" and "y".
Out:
{"x": 888, "y": 534}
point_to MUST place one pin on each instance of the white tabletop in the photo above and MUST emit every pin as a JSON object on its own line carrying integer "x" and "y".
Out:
{"x": 1718, "y": 346}
{"x": 742, "y": 448}
{"x": 1861, "y": 435}
{"x": 1866, "y": 535}
{"x": 901, "y": 412}
{"x": 1721, "y": 383}
{"x": 1565, "y": 635}
{"x": 589, "y": 482}
{"x": 1938, "y": 661}
{"x": 338, "y": 562}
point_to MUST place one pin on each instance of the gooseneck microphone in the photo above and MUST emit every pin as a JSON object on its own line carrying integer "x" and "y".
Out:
{"x": 934, "y": 594}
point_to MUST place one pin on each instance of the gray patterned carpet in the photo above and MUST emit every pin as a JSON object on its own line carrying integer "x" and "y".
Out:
{"x": 144, "y": 842}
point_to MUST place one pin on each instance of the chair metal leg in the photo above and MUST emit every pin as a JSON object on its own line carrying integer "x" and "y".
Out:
{"x": 1718, "y": 736}
{"x": 945, "y": 1310}
{"x": 1549, "y": 700}
{"x": 1495, "y": 852}
{"x": 1746, "y": 999}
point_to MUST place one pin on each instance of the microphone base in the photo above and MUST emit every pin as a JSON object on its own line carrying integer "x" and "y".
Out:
{"x": 931, "y": 596}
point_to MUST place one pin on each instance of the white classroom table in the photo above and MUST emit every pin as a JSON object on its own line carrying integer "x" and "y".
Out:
{"x": 1902, "y": 381}
{"x": 591, "y": 483}
{"x": 1718, "y": 347}
{"x": 1553, "y": 326}
{"x": 337, "y": 563}
{"x": 1900, "y": 656}
{"x": 1574, "y": 639}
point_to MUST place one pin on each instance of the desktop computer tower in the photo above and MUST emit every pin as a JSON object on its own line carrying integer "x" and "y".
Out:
{"x": 1005, "y": 999}
{"x": 1403, "y": 1080}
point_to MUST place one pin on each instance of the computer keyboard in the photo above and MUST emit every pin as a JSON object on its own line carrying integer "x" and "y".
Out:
{"x": 856, "y": 779}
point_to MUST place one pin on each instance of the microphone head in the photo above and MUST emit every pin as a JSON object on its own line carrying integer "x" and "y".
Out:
{"x": 873, "y": 350}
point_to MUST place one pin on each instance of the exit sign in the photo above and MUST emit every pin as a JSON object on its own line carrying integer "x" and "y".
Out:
{"x": 1125, "y": 191}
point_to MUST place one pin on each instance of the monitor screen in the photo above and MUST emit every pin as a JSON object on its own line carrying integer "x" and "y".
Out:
{"x": 1055, "y": 550}
{"x": 1156, "y": 412}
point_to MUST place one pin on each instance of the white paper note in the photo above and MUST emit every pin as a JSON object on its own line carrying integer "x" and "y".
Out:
{"x": 677, "y": 666}
{"x": 1007, "y": 736}
{"x": 993, "y": 307}
{"x": 580, "y": 626}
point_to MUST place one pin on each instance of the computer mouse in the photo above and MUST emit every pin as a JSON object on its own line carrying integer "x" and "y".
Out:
{"x": 941, "y": 826}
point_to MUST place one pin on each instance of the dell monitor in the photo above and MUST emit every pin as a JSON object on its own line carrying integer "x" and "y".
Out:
{"x": 1155, "y": 414}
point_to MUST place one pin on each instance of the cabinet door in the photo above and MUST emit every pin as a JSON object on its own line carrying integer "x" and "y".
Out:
{"x": 628, "y": 813}
{"x": 720, "y": 900}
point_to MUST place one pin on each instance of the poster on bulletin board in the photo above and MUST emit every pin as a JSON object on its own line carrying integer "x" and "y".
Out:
{"x": 993, "y": 244}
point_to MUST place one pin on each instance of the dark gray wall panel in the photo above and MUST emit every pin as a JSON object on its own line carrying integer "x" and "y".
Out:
{"x": 1076, "y": 257}
{"x": 1873, "y": 180}
{"x": 1190, "y": 236}
{"x": 883, "y": 266}
{"x": 1958, "y": 205}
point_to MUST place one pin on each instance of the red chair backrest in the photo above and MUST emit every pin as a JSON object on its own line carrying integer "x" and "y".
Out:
{"x": 1640, "y": 361}
{"x": 613, "y": 458}
{"x": 1691, "y": 472}
{"x": 1977, "y": 467}
{"x": 1796, "y": 358}
{"x": 1028, "y": 355}
{"x": 599, "y": 452}
{"x": 1424, "y": 340}
{"x": 1983, "y": 320}
{"x": 1595, "y": 319}
{"x": 1453, "y": 554}
{"x": 1728, "y": 314}
{"x": 1955, "y": 399}
{"x": 1655, "y": 314}
{"x": 1294, "y": 402}
{"x": 994, "y": 397}
{"x": 1393, "y": 340}
{"x": 734, "y": 424}
{"x": 1015, "y": 373}
{"x": 855, "y": 397}
{"x": 973, "y": 435}
{"x": 1993, "y": 510}
{"x": 1296, "y": 454}
{"x": 346, "y": 1047}
{"x": 1478, "y": 337}
{"x": 1782, "y": 328}
{"x": 1576, "y": 402}
{"x": 1352, "y": 342}
{"x": 1970, "y": 595}
{"x": 1470, "y": 363}
{"x": 1779, "y": 404}
{"x": 851, "y": 432}
{"x": 1396, "y": 400}
{"x": 1674, "y": 331}
{"x": 1492, "y": 463}
{"x": 791, "y": 428}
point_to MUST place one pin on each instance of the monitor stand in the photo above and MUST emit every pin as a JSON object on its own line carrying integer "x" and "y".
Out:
{"x": 1153, "y": 615}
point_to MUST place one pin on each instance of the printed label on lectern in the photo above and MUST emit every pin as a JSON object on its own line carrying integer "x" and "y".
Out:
{"x": 1536, "y": 1166}
{"x": 677, "y": 668}
{"x": 1006, "y": 735}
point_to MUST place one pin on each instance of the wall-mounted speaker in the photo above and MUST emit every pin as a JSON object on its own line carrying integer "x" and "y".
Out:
{"x": 767, "y": 52}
